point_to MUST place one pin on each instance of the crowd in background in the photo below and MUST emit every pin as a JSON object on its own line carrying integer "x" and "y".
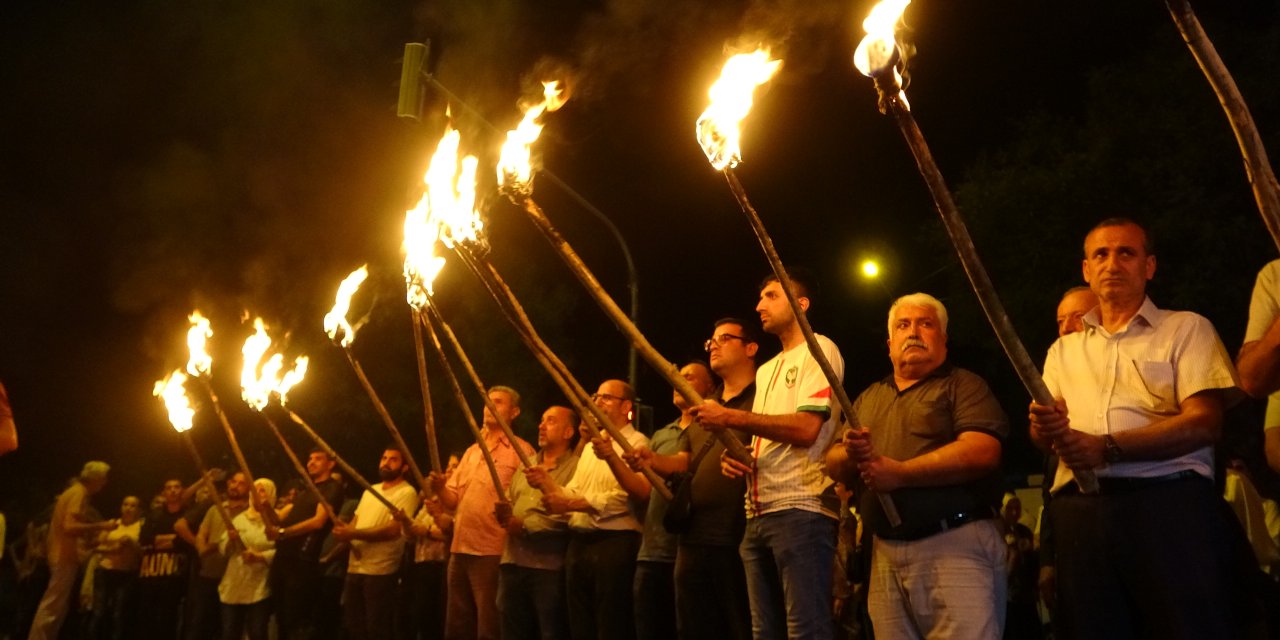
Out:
{"x": 762, "y": 512}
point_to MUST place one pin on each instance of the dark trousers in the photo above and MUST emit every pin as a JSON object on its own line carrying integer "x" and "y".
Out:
{"x": 428, "y": 587}
{"x": 655, "y": 600}
{"x": 159, "y": 607}
{"x": 239, "y": 618}
{"x": 1146, "y": 562}
{"x": 295, "y": 590}
{"x": 599, "y": 571}
{"x": 711, "y": 593}
{"x": 202, "y": 611}
{"x": 532, "y": 604}
{"x": 369, "y": 606}
{"x": 113, "y": 596}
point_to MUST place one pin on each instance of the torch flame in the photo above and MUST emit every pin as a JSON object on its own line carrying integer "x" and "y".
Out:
{"x": 445, "y": 213}
{"x": 253, "y": 387}
{"x": 199, "y": 361}
{"x": 292, "y": 377}
{"x": 514, "y": 169}
{"x": 876, "y": 51}
{"x": 720, "y": 126}
{"x": 259, "y": 378}
{"x": 335, "y": 322}
{"x": 171, "y": 391}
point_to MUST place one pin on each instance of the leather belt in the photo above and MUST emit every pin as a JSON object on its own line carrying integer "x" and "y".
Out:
{"x": 920, "y": 532}
{"x": 1120, "y": 485}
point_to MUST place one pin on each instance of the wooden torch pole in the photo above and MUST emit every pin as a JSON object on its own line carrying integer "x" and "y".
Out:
{"x": 890, "y": 99}
{"x": 659, "y": 364}
{"x": 1256, "y": 165}
{"x": 810, "y": 338}
{"x": 386, "y": 417}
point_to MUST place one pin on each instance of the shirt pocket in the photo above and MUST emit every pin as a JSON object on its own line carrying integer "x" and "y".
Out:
{"x": 930, "y": 420}
{"x": 1152, "y": 383}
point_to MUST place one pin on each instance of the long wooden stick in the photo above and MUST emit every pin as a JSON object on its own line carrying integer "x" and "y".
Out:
{"x": 226, "y": 427}
{"x": 204, "y": 473}
{"x": 466, "y": 411}
{"x": 428, "y": 414}
{"x": 1256, "y": 165}
{"x": 890, "y": 98}
{"x": 661, "y": 365}
{"x": 348, "y": 469}
{"x": 386, "y": 417}
{"x": 593, "y": 417}
{"x": 438, "y": 320}
{"x": 819, "y": 356}
{"x": 302, "y": 470}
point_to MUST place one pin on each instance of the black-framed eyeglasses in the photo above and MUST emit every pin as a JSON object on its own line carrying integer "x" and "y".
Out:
{"x": 597, "y": 397}
{"x": 721, "y": 340}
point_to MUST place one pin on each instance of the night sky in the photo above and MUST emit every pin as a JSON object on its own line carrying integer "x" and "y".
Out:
{"x": 242, "y": 157}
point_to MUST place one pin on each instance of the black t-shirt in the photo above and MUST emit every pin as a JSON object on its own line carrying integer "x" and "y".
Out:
{"x": 304, "y": 508}
{"x": 167, "y": 563}
{"x": 717, "y": 513}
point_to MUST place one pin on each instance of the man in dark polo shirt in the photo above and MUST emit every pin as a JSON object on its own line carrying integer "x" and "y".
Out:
{"x": 711, "y": 587}
{"x": 929, "y": 436}
{"x": 295, "y": 573}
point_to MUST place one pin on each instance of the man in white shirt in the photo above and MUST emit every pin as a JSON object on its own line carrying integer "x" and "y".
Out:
{"x": 1140, "y": 394}
{"x": 605, "y": 500}
{"x": 369, "y": 594}
{"x": 790, "y": 542}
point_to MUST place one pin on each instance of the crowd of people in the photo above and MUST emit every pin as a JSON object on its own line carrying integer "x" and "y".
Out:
{"x": 892, "y": 522}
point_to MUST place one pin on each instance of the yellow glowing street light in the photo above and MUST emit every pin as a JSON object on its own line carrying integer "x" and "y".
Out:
{"x": 870, "y": 269}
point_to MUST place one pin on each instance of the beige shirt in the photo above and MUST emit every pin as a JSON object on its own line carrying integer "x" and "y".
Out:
{"x": 69, "y": 509}
{"x": 1115, "y": 382}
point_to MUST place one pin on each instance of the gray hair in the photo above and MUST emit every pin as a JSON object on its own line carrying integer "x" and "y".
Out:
{"x": 511, "y": 393}
{"x": 920, "y": 300}
{"x": 94, "y": 470}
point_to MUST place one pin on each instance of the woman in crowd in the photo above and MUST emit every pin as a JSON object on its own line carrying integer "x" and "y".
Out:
{"x": 244, "y": 590}
{"x": 113, "y": 582}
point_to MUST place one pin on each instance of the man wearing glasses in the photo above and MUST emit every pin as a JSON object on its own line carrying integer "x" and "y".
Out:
{"x": 788, "y": 548}
{"x": 605, "y": 500}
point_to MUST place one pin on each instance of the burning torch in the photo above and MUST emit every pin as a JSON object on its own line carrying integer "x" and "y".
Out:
{"x": 515, "y": 175}
{"x": 720, "y": 133}
{"x": 343, "y": 333}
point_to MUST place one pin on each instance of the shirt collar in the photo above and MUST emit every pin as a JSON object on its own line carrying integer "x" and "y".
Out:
{"x": 1148, "y": 313}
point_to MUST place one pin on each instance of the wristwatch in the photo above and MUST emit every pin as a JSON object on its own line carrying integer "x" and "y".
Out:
{"x": 280, "y": 533}
{"x": 1113, "y": 453}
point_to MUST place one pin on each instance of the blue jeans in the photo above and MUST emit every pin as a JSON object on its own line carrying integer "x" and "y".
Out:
{"x": 788, "y": 557}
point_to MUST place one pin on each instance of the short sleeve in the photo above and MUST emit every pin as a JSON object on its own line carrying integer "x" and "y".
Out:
{"x": 1263, "y": 307}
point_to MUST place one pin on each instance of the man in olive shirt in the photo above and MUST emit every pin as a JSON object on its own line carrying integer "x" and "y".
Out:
{"x": 930, "y": 436}
{"x": 531, "y": 580}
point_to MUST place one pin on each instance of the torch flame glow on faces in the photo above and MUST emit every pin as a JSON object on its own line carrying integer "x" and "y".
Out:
{"x": 260, "y": 378}
{"x": 171, "y": 391}
{"x": 514, "y": 168}
{"x": 199, "y": 361}
{"x": 720, "y": 126}
{"x": 876, "y": 51}
{"x": 335, "y": 322}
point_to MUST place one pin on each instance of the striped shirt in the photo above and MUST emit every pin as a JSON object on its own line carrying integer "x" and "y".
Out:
{"x": 789, "y": 476}
{"x": 1116, "y": 382}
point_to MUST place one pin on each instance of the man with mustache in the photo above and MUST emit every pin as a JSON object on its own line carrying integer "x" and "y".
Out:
{"x": 930, "y": 436}
{"x": 369, "y": 594}
{"x": 1140, "y": 394}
